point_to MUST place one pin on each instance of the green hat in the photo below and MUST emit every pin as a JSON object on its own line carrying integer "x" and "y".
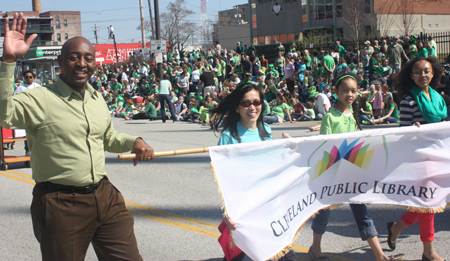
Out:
{"x": 200, "y": 98}
{"x": 271, "y": 65}
{"x": 192, "y": 95}
{"x": 248, "y": 74}
{"x": 169, "y": 63}
{"x": 312, "y": 92}
{"x": 352, "y": 64}
{"x": 379, "y": 71}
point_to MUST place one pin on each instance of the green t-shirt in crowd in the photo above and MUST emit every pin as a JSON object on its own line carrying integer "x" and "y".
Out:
{"x": 395, "y": 112}
{"x": 329, "y": 61}
{"x": 308, "y": 63}
{"x": 431, "y": 51}
{"x": 267, "y": 109}
{"x": 422, "y": 53}
{"x": 150, "y": 109}
{"x": 413, "y": 53}
{"x": 280, "y": 62}
{"x": 311, "y": 113}
{"x": 342, "y": 51}
{"x": 279, "y": 109}
{"x": 204, "y": 113}
{"x": 116, "y": 87}
{"x": 362, "y": 84}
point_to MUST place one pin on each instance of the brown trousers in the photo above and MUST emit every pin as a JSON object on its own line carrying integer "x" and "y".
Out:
{"x": 66, "y": 223}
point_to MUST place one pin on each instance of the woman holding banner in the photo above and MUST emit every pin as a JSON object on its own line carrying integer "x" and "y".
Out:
{"x": 420, "y": 104}
{"x": 239, "y": 115}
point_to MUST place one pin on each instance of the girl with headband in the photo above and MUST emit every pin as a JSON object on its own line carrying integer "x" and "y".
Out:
{"x": 341, "y": 119}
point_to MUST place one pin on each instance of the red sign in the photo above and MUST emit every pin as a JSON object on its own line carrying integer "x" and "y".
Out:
{"x": 107, "y": 52}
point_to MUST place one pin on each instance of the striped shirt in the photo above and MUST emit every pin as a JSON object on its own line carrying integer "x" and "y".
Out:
{"x": 410, "y": 112}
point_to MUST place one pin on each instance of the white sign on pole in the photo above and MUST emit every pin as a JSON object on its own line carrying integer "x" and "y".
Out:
{"x": 158, "y": 46}
{"x": 159, "y": 57}
{"x": 146, "y": 51}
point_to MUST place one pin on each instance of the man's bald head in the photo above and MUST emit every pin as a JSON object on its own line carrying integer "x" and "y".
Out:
{"x": 75, "y": 40}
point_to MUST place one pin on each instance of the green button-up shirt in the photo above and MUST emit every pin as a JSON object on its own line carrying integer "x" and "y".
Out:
{"x": 67, "y": 135}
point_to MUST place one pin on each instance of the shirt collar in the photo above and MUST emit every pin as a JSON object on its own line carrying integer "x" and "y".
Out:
{"x": 66, "y": 91}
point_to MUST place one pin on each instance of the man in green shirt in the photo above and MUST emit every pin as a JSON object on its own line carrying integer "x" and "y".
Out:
{"x": 329, "y": 65}
{"x": 115, "y": 87}
{"x": 395, "y": 53}
{"x": 68, "y": 135}
{"x": 362, "y": 82}
{"x": 280, "y": 63}
{"x": 280, "y": 48}
{"x": 271, "y": 70}
{"x": 340, "y": 49}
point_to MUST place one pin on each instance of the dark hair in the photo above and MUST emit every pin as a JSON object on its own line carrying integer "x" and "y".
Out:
{"x": 27, "y": 71}
{"x": 227, "y": 116}
{"x": 165, "y": 76}
{"x": 339, "y": 83}
{"x": 404, "y": 82}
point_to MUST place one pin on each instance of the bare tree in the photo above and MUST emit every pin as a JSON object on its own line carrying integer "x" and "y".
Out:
{"x": 407, "y": 20}
{"x": 353, "y": 15}
{"x": 176, "y": 28}
{"x": 385, "y": 18}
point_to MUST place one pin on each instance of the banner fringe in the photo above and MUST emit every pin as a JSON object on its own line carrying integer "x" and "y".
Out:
{"x": 427, "y": 210}
{"x": 219, "y": 190}
{"x": 283, "y": 252}
{"x": 223, "y": 208}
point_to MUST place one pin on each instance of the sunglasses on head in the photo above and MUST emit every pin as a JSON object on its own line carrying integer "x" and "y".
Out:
{"x": 246, "y": 104}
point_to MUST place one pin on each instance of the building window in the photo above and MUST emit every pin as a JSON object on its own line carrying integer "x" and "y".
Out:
{"x": 66, "y": 36}
{"x": 253, "y": 15}
{"x": 367, "y": 6}
{"x": 304, "y": 11}
{"x": 58, "y": 37}
{"x": 65, "y": 22}
{"x": 57, "y": 24}
{"x": 338, "y": 8}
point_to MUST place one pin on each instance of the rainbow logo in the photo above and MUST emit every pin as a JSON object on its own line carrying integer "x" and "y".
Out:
{"x": 354, "y": 153}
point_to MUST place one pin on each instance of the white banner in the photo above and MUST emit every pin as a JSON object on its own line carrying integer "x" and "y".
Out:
{"x": 271, "y": 188}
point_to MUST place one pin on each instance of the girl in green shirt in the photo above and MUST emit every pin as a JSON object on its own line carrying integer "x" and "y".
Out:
{"x": 341, "y": 119}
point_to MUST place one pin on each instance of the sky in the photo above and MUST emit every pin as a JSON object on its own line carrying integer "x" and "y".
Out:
{"x": 123, "y": 15}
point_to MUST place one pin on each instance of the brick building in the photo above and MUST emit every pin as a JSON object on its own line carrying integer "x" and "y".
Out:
{"x": 53, "y": 27}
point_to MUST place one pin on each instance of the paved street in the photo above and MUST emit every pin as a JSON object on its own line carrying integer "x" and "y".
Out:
{"x": 176, "y": 206}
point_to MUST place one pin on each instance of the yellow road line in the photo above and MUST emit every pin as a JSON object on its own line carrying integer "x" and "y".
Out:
{"x": 176, "y": 224}
{"x": 17, "y": 178}
{"x": 19, "y": 174}
{"x": 175, "y": 216}
{"x": 171, "y": 215}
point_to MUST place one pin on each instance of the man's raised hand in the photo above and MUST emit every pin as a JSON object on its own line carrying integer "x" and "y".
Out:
{"x": 14, "y": 45}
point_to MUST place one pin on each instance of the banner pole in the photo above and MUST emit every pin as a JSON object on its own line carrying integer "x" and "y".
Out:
{"x": 166, "y": 153}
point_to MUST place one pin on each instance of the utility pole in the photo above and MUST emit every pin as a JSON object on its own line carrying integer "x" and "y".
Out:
{"x": 96, "y": 35}
{"x": 142, "y": 24}
{"x": 151, "y": 18}
{"x": 158, "y": 34}
{"x": 115, "y": 47}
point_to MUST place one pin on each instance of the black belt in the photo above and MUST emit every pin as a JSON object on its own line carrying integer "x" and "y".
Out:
{"x": 86, "y": 189}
